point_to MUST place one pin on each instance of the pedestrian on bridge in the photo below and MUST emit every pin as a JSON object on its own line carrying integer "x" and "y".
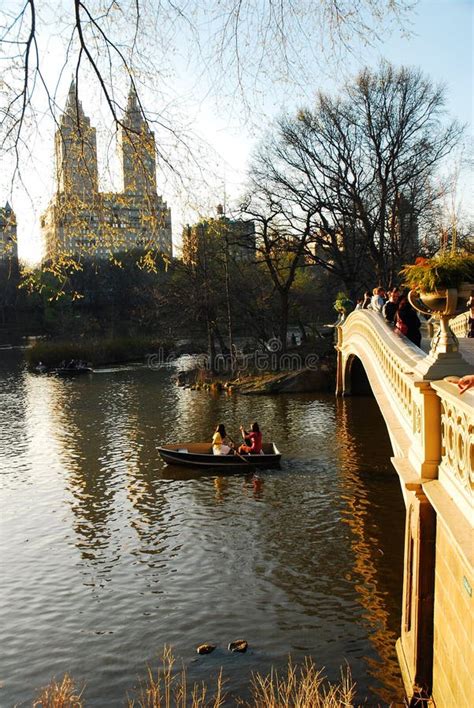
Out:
{"x": 407, "y": 322}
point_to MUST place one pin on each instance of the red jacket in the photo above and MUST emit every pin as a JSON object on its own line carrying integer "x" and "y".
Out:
{"x": 256, "y": 442}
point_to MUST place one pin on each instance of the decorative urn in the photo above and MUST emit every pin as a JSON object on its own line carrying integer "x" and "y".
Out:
{"x": 442, "y": 305}
{"x": 440, "y": 287}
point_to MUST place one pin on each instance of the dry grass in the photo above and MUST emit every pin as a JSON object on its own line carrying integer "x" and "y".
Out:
{"x": 164, "y": 687}
{"x": 59, "y": 695}
{"x": 303, "y": 687}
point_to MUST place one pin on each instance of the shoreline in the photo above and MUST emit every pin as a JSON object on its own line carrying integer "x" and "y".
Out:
{"x": 302, "y": 380}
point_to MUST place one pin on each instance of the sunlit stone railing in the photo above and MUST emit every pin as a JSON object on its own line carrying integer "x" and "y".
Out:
{"x": 409, "y": 404}
{"x": 456, "y": 469}
{"x": 396, "y": 358}
{"x": 367, "y": 335}
{"x": 460, "y": 325}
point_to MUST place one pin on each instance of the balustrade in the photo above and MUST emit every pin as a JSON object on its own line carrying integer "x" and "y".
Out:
{"x": 460, "y": 325}
{"x": 457, "y": 441}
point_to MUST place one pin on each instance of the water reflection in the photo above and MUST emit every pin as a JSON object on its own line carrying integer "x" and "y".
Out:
{"x": 371, "y": 516}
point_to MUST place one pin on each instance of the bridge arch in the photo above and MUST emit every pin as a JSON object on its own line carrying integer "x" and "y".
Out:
{"x": 356, "y": 381}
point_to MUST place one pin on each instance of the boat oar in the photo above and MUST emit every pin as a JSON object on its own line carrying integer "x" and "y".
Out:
{"x": 238, "y": 453}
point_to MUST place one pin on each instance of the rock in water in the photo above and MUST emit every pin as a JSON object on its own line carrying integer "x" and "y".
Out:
{"x": 239, "y": 645}
{"x": 205, "y": 648}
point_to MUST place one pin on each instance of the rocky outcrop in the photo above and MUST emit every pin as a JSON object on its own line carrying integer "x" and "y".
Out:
{"x": 300, "y": 381}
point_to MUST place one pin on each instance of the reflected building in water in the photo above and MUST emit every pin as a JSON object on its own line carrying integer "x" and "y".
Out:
{"x": 103, "y": 430}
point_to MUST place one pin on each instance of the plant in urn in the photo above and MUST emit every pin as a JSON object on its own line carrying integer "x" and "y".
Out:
{"x": 440, "y": 287}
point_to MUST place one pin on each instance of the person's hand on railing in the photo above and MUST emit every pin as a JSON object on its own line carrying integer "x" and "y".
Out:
{"x": 465, "y": 383}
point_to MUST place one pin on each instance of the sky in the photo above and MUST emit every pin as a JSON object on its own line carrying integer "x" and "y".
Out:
{"x": 219, "y": 129}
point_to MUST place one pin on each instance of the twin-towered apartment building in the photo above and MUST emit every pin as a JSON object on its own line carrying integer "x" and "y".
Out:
{"x": 80, "y": 220}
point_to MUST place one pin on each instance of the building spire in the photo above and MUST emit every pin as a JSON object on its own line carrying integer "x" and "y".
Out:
{"x": 76, "y": 148}
{"x": 72, "y": 99}
{"x": 132, "y": 103}
{"x": 73, "y": 108}
{"x": 137, "y": 145}
{"x": 133, "y": 116}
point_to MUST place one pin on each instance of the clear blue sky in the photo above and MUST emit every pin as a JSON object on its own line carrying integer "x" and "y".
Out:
{"x": 442, "y": 45}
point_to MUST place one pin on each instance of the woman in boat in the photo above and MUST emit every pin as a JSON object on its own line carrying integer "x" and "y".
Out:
{"x": 221, "y": 445}
{"x": 253, "y": 440}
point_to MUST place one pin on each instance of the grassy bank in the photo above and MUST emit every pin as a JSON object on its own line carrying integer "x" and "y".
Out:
{"x": 97, "y": 351}
{"x": 164, "y": 687}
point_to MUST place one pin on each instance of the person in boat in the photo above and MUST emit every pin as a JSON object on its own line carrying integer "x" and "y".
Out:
{"x": 252, "y": 440}
{"x": 221, "y": 444}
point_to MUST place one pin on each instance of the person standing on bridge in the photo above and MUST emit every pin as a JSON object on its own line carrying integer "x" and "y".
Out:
{"x": 390, "y": 308}
{"x": 470, "y": 321}
{"x": 366, "y": 300}
{"x": 377, "y": 301}
{"x": 407, "y": 322}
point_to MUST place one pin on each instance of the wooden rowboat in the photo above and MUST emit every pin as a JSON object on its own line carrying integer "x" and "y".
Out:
{"x": 71, "y": 371}
{"x": 200, "y": 455}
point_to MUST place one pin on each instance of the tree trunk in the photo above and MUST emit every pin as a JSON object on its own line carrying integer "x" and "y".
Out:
{"x": 283, "y": 328}
{"x": 223, "y": 347}
{"x": 229, "y": 309}
{"x": 211, "y": 346}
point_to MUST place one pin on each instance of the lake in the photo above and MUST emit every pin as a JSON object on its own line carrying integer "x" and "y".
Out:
{"x": 107, "y": 554}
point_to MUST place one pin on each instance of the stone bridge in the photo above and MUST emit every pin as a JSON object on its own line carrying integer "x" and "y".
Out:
{"x": 431, "y": 428}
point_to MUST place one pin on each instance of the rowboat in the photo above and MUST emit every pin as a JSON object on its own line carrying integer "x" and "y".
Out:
{"x": 200, "y": 455}
{"x": 69, "y": 371}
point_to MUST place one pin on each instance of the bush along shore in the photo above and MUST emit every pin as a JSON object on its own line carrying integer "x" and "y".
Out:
{"x": 51, "y": 353}
{"x": 164, "y": 687}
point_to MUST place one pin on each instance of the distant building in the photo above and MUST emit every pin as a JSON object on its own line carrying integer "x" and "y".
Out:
{"x": 406, "y": 229}
{"x": 79, "y": 219}
{"x": 214, "y": 234}
{"x": 8, "y": 236}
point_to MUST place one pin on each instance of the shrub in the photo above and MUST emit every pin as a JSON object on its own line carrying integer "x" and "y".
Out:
{"x": 445, "y": 270}
{"x": 100, "y": 351}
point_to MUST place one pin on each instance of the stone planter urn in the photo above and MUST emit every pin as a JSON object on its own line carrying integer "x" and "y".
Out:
{"x": 444, "y": 358}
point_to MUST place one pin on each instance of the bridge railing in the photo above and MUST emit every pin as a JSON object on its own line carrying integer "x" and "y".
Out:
{"x": 409, "y": 404}
{"x": 460, "y": 325}
{"x": 431, "y": 427}
{"x": 456, "y": 468}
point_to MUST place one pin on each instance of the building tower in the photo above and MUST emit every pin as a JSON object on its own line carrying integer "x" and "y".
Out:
{"x": 8, "y": 239}
{"x": 76, "y": 150}
{"x": 81, "y": 222}
{"x": 137, "y": 146}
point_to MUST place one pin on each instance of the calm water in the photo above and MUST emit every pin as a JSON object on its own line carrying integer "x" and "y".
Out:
{"x": 106, "y": 554}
